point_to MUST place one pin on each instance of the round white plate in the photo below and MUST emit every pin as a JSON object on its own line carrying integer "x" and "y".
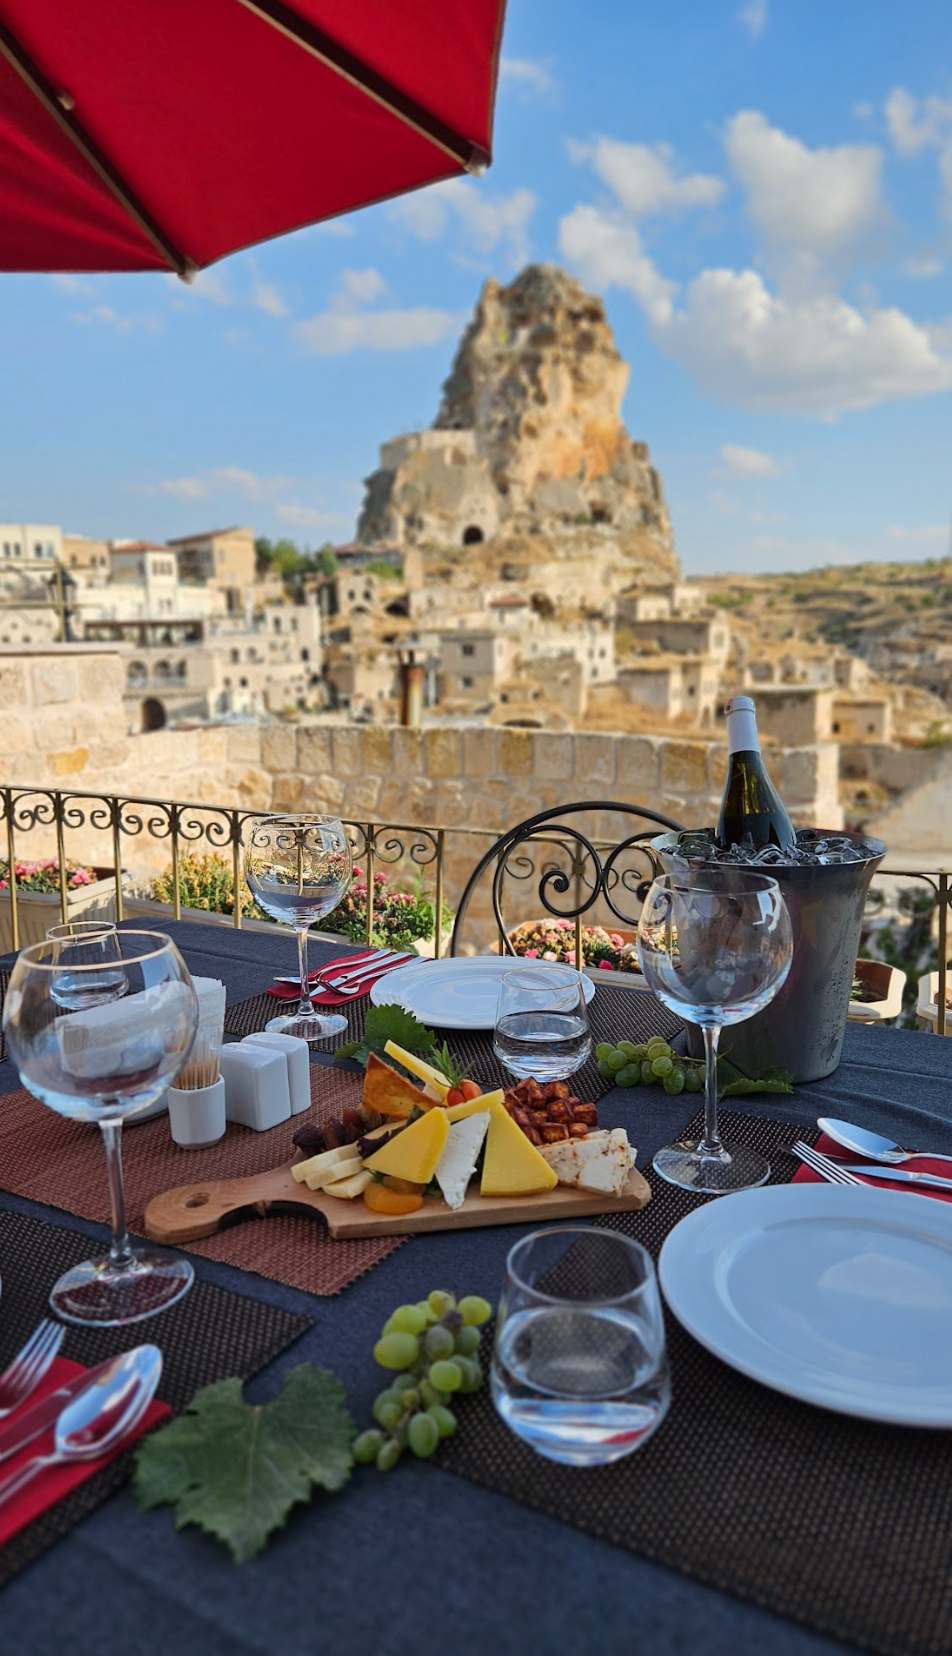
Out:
{"x": 455, "y": 994}
{"x": 836, "y": 1295}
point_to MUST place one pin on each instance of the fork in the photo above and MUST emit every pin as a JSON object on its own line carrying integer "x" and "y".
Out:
{"x": 830, "y": 1170}
{"x": 29, "y": 1365}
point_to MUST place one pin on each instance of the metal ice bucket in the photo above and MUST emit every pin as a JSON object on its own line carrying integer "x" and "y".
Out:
{"x": 803, "y": 1027}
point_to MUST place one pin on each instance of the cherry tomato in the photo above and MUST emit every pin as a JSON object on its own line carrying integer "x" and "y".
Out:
{"x": 471, "y": 1089}
{"x": 455, "y": 1096}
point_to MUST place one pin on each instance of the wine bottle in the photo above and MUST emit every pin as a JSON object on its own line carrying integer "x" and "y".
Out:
{"x": 751, "y": 812}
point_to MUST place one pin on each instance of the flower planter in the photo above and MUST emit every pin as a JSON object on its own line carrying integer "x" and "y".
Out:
{"x": 630, "y": 966}
{"x": 887, "y": 983}
{"x": 150, "y": 910}
{"x": 36, "y": 910}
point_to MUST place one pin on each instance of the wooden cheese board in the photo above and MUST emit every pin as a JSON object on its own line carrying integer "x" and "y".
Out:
{"x": 192, "y": 1211}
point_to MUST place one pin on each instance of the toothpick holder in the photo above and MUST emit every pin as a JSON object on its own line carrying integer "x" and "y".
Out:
{"x": 197, "y": 1116}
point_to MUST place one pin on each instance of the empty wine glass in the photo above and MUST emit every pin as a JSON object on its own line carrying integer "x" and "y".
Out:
{"x": 102, "y": 1063}
{"x": 542, "y": 1022}
{"x": 714, "y": 946}
{"x": 87, "y": 943}
{"x": 298, "y": 867}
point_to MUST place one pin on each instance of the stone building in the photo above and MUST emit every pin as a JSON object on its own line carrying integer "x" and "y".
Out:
{"x": 225, "y": 556}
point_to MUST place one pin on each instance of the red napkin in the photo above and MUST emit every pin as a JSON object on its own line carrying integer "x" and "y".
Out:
{"x": 838, "y": 1152}
{"x": 327, "y": 997}
{"x": 49, "y": 1486}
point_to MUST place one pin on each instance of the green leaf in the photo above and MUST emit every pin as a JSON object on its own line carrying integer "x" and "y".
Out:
{"x": 236, "y": 1469}
{"x": 383, "y": 1024}
{"x": 733, "y": 1083}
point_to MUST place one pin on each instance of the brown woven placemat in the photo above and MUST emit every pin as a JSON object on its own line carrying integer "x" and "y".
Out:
{"x": 843, "y": 1525}
{"x": 614, "y": 1015}
{"x": 49, "y": 1159}
{"x": 210, "y": 1334}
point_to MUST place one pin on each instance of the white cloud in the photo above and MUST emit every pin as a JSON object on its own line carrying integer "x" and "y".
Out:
{"x": 208, "y": 284}
{"x": 821, "y": 202}
{"x": 223, "y": 480}
{"x": 105, "y": 316}
{"x": 310, "y": 517}
{"x": 644, "y": 179}
{"x": 529, "y": 75}
{"x": 929, "y": 532}
{"x": 923, "y": 266}
{"x": 748, "y": 462}
{"x": 863, "y": 111}
{"x": 74, "y": 284}
{"x": 753, "y": 15}
{"x": 913, "y": 126}
{"x": 607, "y": 251}
{"x": 488, "y": 222}
{"x": 264, "y": 295}
{"x": 346, "y": 327}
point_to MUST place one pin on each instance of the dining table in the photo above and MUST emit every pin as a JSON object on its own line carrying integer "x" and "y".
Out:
{"x": 419, "y": 1557}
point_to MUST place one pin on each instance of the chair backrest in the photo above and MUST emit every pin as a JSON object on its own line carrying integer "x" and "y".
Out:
{"x": 571, "y": 859}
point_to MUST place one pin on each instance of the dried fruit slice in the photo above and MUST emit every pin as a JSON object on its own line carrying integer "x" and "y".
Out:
{"x": 381, "y": 1200}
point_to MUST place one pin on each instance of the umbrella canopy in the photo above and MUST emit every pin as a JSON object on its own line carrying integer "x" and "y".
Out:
{"x": 164, "y": 134}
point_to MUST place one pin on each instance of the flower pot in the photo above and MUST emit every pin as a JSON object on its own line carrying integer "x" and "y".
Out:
{"x": 36, "y": 910}
{"x": 886, "y": 983}
{"x": 627, "y": 937}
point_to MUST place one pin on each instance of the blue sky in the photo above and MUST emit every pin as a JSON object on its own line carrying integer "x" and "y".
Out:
{"x": 761, "y": 190}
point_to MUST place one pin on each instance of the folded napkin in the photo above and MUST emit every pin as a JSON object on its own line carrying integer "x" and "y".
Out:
{"x": 49, "y": 1486}
{"x": 327, "y": 997}
{"x": 121, "y": 1037}
{"x": 837, "y": 1152}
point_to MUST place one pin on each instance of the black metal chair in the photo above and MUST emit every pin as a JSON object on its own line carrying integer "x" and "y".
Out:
{"x": 577, "y": 862}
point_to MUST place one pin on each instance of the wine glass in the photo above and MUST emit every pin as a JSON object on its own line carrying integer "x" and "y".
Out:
{"x": 87, "y": 943}
{"x": 101, "y": 1063}
{"x": 298, "y": 868}
{"x": 715, "y": 946}
{"x": 542, "y": 1022}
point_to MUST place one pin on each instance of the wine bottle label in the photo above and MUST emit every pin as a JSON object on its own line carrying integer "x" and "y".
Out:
{"x": 742, "y": 726}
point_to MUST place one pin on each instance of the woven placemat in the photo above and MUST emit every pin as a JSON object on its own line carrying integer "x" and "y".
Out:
{"x": 210, "y": 1334}
{"x": 49, "y": 1159}
{"x": 843, "y": 1525}
{"x": 614, "y": 1015}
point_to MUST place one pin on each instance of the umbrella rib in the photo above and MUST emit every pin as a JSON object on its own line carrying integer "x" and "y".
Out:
{"x": 472, "y": 157}
{"x": 59, "y": 106}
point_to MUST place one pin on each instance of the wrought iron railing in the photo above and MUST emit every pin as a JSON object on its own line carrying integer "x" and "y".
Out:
{"x": 583, "y": 870}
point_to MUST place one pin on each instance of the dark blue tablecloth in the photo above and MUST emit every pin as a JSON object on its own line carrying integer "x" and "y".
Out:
{"x": 419, "y": 1559}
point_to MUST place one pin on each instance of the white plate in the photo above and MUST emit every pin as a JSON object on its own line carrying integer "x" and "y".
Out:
{"x": 455, "y": 994}
{"x": 839, "y": 1296}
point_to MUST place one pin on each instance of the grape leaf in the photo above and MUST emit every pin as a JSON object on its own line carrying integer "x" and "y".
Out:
{"x": 383, "y": 1024}
{"x": 236, "y": 1468}
{"x": 733, "y": 1083}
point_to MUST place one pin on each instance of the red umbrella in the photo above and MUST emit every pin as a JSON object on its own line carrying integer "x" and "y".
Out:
{"x": 163, "y": 134}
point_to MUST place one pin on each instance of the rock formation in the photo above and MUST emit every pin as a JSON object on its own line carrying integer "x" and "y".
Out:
{"x": 528, "y": 440}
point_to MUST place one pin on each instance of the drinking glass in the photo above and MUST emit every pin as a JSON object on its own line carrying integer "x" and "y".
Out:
{"x": 542, "y": 1022}
{"x": 579, "y": 1367}
{"x": 102, "y": 1062}
{"x": 87, "y": 943}
{"x": 298, "y": 868}
{"x": 715, "y": 946}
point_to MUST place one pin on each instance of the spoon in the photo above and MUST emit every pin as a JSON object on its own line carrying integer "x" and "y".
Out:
{"x": 873, "y": 1145}
{"x": 98, "y": 1419}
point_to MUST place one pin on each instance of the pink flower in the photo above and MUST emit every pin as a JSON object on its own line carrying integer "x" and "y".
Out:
{"x": 563, "y": 925}
{"x": 606, "y": 965}
{"x": 549, "y": 954}
{"x": 570, "y": 956}
{"x": 529, "y": 954}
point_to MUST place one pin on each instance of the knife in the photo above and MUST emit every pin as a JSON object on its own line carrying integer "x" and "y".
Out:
{"x": 35, "y": 1420}
{"x": 901, "y": 1175}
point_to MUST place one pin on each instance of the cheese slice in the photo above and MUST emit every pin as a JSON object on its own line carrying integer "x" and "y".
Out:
{"x": 601, "y": 1162}
{"x": 473, "y": 1106}
{"x": 349, "y": 1188}
{"x": 418, "y": 1066}
{"x": 413, "y": 1153}
{"x": 512, "y": 1166}
{"x": 327, "y": 1158}
{"x": 326, "y": 1176}
{"x": 457, "y": 1164}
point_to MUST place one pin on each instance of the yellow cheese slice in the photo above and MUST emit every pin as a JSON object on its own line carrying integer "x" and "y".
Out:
{"x": 512, "y": 1165}
{"x": 473, "y": 1106}
{"x": 414, "y": 1152}
{"x": 327, "y": 1176}
{"x": 417, "y": 1066}
{"x": 349, "y": 1188}
{"x": 327, "y": 1158}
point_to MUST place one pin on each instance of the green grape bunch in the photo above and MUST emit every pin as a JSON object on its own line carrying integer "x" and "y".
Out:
{"x": 651, "y": 1064}
{"x": 431, "y": 1349}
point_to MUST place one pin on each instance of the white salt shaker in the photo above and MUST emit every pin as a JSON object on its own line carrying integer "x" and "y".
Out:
{"x": 297, "y": 1054}
{"x": 257, "y": 1093}
{"x": 197, "y": 1115}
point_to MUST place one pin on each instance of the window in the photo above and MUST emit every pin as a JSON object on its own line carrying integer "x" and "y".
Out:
{"x": 466, "y": 683}
{"x": 468, "y": 649}
{"x": 16, "y": 549}
{"x": 37, "y": 549}
{"x": 6, "y": 549}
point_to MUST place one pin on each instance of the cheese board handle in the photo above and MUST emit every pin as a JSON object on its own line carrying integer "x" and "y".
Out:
{"x": 191, "y": 1212}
